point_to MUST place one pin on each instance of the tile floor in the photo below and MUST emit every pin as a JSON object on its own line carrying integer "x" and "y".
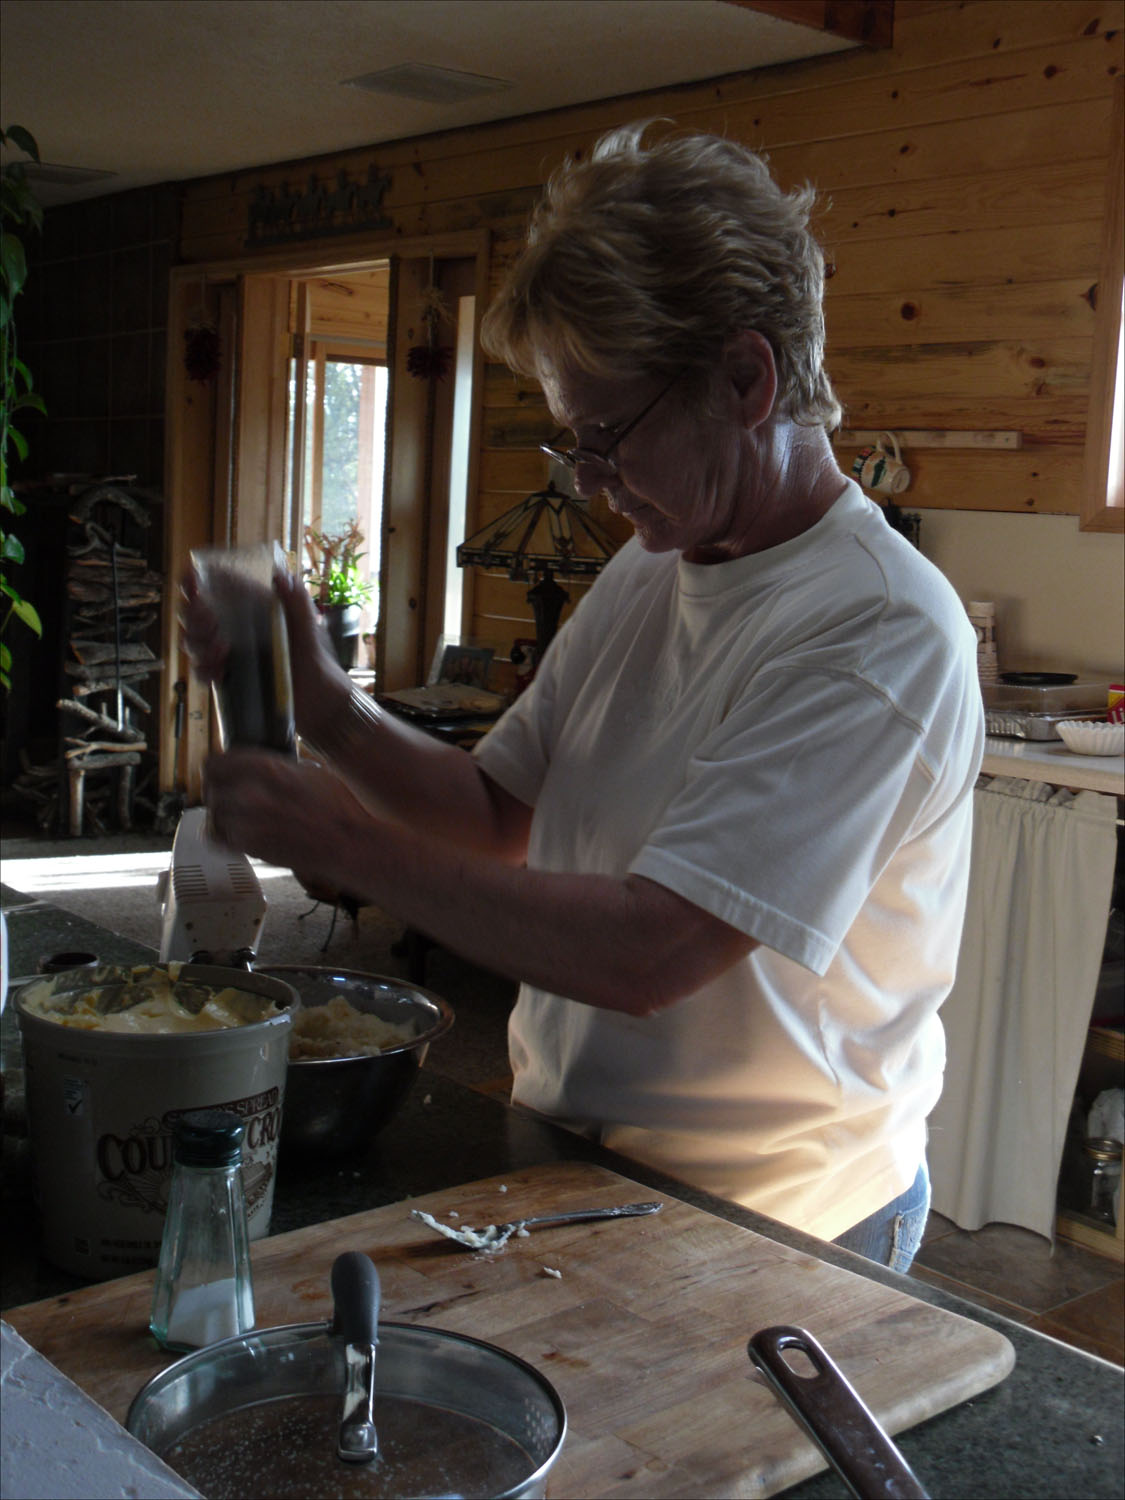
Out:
{"x": 1069, "y": 1292}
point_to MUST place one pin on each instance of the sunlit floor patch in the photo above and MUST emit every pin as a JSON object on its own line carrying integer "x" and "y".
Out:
{"x": 52, "y": 877}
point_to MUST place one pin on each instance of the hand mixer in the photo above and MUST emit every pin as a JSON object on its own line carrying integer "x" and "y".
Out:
{"x": 212, "y": 902}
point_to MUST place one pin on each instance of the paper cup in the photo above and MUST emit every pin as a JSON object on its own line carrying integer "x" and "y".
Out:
{"x": 101, "y": 1106}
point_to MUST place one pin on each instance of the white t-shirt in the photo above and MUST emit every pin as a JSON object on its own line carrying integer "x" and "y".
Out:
{"x": 790, "y": 741}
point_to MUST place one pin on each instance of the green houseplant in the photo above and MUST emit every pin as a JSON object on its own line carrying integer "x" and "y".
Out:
{"x": 340, "y": 588}
{"x": 19, "y": 212}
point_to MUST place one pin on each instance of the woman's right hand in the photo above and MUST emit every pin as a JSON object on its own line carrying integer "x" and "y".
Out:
{"x": 321, "y": 687}
{"x": 199, "y": 628}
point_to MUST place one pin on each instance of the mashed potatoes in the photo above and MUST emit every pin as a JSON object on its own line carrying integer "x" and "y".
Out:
{"x": 152, "y": 1002}
{"x": 337, "y": 1029}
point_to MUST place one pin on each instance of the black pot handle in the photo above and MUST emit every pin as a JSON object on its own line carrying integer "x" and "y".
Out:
{"x": 831, "y": 1411}
{"x": 355, "y": 1297}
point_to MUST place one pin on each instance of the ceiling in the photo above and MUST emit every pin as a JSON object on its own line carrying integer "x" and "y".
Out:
{"x": 159, "y": 90}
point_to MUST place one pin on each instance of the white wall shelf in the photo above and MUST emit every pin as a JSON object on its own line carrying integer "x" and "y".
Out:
{"x": 1050, "y": 760}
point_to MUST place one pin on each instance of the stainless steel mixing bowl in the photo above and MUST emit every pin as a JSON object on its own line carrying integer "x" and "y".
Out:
{"x": 338, "y": 1104}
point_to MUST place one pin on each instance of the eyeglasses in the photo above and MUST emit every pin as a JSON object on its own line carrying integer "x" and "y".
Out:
{"x": 604, "y": 466}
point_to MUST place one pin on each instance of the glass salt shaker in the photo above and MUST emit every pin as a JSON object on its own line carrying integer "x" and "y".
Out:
{"x": 203, "y": 1289}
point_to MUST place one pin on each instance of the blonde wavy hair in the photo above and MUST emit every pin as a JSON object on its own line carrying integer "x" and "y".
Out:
{"x": 646, "y": 258}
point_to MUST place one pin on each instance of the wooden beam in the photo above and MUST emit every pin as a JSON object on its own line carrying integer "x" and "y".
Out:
{"x": 871, "y": 22}
{"x": 258, "y": 503}
{"x": 915, "y": 437}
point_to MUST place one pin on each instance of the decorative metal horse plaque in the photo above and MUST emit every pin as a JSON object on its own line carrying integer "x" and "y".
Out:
{"x": 278, "y": 216}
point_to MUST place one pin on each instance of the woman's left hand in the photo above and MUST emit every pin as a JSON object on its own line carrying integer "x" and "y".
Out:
{"x": 291, "y": 813}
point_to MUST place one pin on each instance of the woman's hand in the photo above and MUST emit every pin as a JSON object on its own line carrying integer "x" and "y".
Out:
{"x": 199, "y": 627}
{"x": 321, "y": 687}
{"x": 627, "y": 944}
{"x": 291, "y": 813}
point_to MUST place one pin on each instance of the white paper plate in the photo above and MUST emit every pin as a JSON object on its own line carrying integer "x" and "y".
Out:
{"x": 1092, "y": 738}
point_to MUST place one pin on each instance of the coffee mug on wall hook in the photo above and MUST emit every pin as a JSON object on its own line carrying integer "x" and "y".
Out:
{"x": 878, "y": 468}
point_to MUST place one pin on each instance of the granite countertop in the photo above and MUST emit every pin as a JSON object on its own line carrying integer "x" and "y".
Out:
{"x": 1052, "y": 1428}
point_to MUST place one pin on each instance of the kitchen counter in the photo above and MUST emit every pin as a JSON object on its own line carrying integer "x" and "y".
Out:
{"x": 1050, "y": 760}
{"x": 1052, "y": 1428}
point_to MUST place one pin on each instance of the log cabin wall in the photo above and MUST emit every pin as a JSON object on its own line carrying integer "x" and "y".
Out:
{"x": 963, "y": 174}
{"x": 347, "y": 308}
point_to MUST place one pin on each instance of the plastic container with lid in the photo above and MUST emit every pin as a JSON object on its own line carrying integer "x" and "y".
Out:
{"x": 102, "y": 1103}
{"x": 1017, "y": 690}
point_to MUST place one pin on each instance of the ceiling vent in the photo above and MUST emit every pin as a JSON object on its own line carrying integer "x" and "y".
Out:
{"x": 428, "y": 84}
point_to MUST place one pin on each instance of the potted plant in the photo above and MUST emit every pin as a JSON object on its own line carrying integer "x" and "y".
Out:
{"x": 18, "y": 212}
{"x": 341, "y": 590}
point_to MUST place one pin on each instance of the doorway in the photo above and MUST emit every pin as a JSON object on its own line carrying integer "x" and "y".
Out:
{"x": 383, "y": 364}
{"x": 319, "y": 416}
{"x": 431, "y": 463}
{"x": 337, "y": 413}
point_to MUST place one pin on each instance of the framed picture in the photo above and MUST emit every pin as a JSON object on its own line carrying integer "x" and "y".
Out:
{"x": 467, "y": 665}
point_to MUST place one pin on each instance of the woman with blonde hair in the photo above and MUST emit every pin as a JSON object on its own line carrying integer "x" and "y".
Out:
{"x": 722, "y": 840}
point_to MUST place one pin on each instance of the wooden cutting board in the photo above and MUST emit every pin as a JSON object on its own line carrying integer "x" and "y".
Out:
{"x": 643, "y": 1332}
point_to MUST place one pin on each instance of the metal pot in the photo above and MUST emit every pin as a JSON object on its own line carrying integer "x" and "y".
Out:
{"x": 265, "y": 1413}
{"x": 334, "y": 1105}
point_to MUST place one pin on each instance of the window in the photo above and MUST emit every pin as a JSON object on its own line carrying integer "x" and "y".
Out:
{"x": 1103, "y": 489}
{"x": 346, "y": 416}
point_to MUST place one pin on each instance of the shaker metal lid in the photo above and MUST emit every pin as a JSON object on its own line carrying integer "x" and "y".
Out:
{"x": 207, "y": 1138}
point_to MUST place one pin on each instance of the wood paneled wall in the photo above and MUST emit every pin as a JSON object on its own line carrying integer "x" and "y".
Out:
{"x": 351, "y": 308}
{"x": 964, "y": 176}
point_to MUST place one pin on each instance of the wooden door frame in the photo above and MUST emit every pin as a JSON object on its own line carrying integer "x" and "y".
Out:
{"x": 201, "y": 419}
{"x": 416, "y": 492}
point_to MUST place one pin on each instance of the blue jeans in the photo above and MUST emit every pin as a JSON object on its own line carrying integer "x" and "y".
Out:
{"x": 892, "y": 1234}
